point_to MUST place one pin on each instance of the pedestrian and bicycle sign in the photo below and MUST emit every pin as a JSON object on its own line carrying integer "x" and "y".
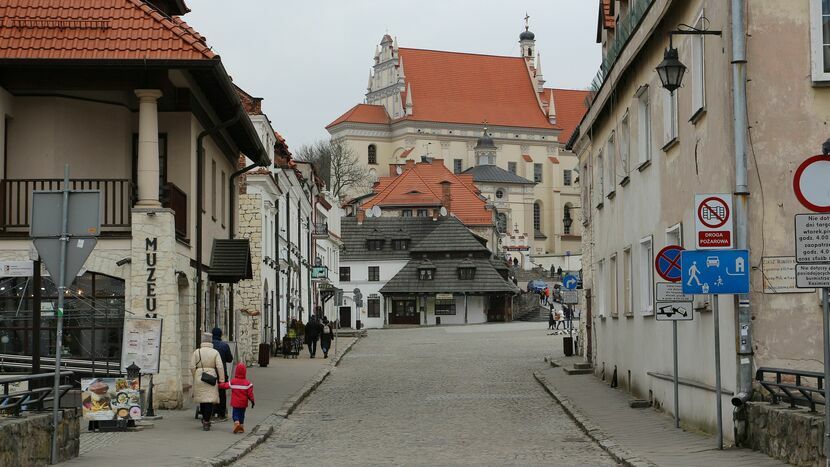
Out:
{"x": 715, "y": 272}
{"x": 713, "y": 221}
{"x": 671, "y": 303}
{"x": 667, "y": 263}
{"x": 569, "y": 282}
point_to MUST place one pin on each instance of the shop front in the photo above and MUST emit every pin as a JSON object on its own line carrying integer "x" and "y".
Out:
{"x": 404, "y": 311}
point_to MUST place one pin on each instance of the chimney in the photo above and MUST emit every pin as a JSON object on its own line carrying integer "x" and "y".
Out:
{"x": 410, "y": 163}
{"x": 446, "y": 195}
{"x": 435, "y": 215}
{"x": 361, "y": 216}
{"x": 393, "y": 172}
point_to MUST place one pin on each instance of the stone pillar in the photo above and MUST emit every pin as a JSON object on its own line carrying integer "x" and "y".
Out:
{"x": 148, "y": 148}
{"x": 250, "y": 291}
{"x": 154, "y": 293}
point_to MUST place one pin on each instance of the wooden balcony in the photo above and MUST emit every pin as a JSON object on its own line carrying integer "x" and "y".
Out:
{"x": 16, "y": 202}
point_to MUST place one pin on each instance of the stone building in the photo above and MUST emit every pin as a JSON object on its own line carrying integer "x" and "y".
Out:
{"x": 644, "y": 154}
{"x": 137, "y": 117}
{"x": 428, "y": 103}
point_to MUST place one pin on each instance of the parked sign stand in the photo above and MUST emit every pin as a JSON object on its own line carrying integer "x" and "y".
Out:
{"x": 64, "y": 226}
{"x": 713, "y": 221}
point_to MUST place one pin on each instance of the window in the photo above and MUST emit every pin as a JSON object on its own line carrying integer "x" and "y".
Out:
{"x": 511, "y": 167}
{"x": 611, "y": 155}
{"x": 345, "y": 274}
{"x": 499, "y": 193}
{"x": 669, "y": 118}
{"x": 567, "y": 220}
{"x": 373, "y": 154}
{"x": 537, "y": 173}
{"x": 698, "y": 71}
{"x": 537, "y": 216}
{"x": 820, "y": 39}
{"x": 567, "y": 176}
{"x": 628, "y": 304}
{"x": 374, "y": 273}
{"x": 646, "y": 276}
{"x": 213, "y": 189}
{"x": 587, "y": 192}
{"x": 457, "y": 166}
{"x": 422, "y": 213}
{"x": 222, "y": 195}
{"x": 406, "y": 213}
{"x": 445, "y": 306}
{"x": 374, "y": 245}
{"x": 600, "y": 177}
{"x": 625, "y": 146}
{"x": 644, "y": 126}
{"x": 373, "y": 307}
{"x": 599, "y": 285}
{"x": 426, "y": 274}
{"x": 401, "y": 244}
{"x": 466, "y": 273}
{"x": 613, "y": 287}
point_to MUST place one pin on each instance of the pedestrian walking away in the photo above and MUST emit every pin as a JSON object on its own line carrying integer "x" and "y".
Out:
{"x": 551, "y": 317}
{"x": 242, "y": 391}
{"x": 312, "y": 335}
{"x": 569, "y": 316}
{"x": 559, "y": 320}
{"x": 221, "y": 409}
{"x": 206, "y": 367}
{"x": 547, "y": 295}
{"x": 326, "y": 335}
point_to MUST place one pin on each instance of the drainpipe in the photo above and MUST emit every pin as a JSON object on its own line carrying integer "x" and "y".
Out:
{"x": 232, "y": 235}
{"x": 277, "y": 251}
{"x": 200, "y": 189}
{"x": 744, "y": 315}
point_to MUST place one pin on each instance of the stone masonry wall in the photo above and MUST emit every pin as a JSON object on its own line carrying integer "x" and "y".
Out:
{"x": 794, "y": 436}
{"x": 250, "y": 291}
{"x": 27, "y": 440}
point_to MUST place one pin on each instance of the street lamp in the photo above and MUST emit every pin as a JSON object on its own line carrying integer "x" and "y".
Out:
{"x": 671, "y": 69}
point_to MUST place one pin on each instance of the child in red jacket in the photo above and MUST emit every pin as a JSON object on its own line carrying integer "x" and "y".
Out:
{"x": 242, "y": 391}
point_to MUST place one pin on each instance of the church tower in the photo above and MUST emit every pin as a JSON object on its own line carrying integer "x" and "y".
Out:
{"x": 485, "y": 150}
{"x": 387, "y": 80}
{"x": 527, "y": 41}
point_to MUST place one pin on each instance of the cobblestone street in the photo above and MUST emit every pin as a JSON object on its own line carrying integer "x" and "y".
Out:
{"x": 450, "y": 395}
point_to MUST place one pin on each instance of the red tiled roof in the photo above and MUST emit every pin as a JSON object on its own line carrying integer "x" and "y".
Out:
{"x": 553, "y": 159}
{"x": 363, "y": 113}
{"x": 469, "y": 88}
{"x": 569, "y": 108}
{"x": 420, "y": 186}
{"x": 95, "y": 29}
{"x": 527, "y": 158}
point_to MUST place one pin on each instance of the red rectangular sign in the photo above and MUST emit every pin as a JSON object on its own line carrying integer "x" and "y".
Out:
{"x": 718, "y": 239}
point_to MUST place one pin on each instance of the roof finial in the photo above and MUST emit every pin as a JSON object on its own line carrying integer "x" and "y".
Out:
{"x": 527, "y": 24}
{"x": 485, "y": 126}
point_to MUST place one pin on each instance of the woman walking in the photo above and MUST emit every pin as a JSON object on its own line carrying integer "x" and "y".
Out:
{"x": 207, "y": 368}
{"x": 326, "y": 335}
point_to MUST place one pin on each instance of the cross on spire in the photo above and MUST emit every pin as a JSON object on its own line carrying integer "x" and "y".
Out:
{"x": 527, "y": 23}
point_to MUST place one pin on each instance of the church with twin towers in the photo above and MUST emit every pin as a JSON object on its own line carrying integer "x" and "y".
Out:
{"x": 434, "y": 106}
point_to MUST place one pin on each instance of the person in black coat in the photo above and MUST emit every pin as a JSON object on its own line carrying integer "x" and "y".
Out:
{"x": 221, "y": 410}
{"x": 312, "y": 335}
{"x": 326, "y": 335}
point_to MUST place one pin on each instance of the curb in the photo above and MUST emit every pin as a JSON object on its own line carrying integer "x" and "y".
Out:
{"x": 264, "y": 430}
{"x": 591, "y": 429}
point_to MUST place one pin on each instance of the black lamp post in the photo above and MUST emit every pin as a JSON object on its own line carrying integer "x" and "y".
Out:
{"x": 567, "y": 222}
{"x": 671, "y": 69}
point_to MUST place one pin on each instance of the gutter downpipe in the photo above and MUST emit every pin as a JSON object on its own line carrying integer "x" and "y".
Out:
{"x": 740, "y": 129}
{"x": 232, "y": 235}
{"x": 200, "y": 190}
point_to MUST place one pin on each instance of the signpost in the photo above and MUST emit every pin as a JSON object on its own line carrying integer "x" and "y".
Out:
{"x": 570, "y": 282}
{"x": 667, "y": 263}
{"x": 812, "y": 251}
{"x": 671, "y": 306}
{"x": 672, "y": 303}
{"x": 64, "y": 225}
{"x": 713, "y": 221}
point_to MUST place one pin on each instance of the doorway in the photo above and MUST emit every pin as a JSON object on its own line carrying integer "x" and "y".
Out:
{"x": 404, "y": 312}
{"x": 345, "y": 317}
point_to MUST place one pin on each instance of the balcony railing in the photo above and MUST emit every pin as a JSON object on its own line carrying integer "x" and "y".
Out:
{"x": 16, "y": 201}
{"x": 176, "y": 199}
{"x": 321, "y": 230}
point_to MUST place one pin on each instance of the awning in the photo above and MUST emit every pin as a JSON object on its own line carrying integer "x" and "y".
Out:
{"x": 230, "y": 261}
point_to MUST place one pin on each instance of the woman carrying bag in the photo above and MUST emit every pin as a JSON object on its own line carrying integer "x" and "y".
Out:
{"x": 206, "y": 366}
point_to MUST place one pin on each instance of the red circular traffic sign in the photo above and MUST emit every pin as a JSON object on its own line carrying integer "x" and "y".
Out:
{"x": 811, "y": 185}
{"x": 667, "y": 263}
{"x": 713, "y": 212}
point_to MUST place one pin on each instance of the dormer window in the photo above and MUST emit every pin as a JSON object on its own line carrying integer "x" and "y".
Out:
{"x": 467, "y": 270}
{"x": 400, "y": 244}
{"x": 374, "y": 245}
{"x": 426, "y": 270}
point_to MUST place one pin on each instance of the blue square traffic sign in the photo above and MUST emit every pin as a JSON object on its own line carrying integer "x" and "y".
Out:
{"x": 715, "y": 272}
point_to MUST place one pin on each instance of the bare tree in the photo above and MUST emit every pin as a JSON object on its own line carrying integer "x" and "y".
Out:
{"x": 337, "y": 164}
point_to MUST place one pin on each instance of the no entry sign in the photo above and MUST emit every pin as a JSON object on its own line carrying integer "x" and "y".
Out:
{"x": 810, "y": 184}
{"x": 667, "y": 263}
{"x": 713, "y": 221}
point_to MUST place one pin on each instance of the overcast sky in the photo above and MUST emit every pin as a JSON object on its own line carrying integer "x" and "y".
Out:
{"x": 310, "y": 59}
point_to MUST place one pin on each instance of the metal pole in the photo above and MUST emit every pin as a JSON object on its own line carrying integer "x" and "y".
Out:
{"x": 676, "y": 384}
{"x": 36, "y": 299}
{"x": 826, "y": 306}
{"x": 716, "y": 316}
{"x": 59, "y": 335}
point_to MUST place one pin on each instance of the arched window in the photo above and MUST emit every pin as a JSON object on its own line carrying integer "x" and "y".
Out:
{"x": 567, "y": 220}
{"x": 530, "y": 51}
{"x": 373, "y": 154}
{"x": 537, "y": 216}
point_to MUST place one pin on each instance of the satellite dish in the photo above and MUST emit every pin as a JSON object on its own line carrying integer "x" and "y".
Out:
{"x": 376, "y": 211}
{"x": 370, "y": 213}
{"x": 443, "y": 211}
{"x": 398, "y": 170}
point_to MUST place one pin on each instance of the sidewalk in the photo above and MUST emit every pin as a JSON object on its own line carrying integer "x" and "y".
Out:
{"x": 637, "y": 436}
{"x": 177, "y": 439}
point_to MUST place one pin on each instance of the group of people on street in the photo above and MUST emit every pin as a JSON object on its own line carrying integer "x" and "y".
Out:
{"x": 563, "y": 317}
{"x": 321, "y": 330}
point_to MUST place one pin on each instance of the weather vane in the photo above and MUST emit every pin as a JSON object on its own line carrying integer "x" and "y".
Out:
{"x": 527, "y": 23}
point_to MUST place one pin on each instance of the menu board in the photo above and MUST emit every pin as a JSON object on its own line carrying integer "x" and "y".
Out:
{"x": 104, "y": 399}
{"x": 141, "y": 344}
